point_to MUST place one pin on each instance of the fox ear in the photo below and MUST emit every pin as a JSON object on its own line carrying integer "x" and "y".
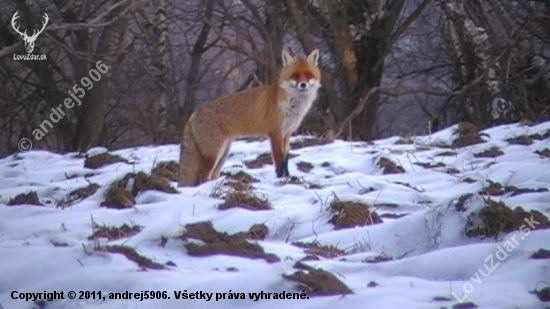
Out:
{"x": 313, "y": 57}
{"x": 287, "y": 59}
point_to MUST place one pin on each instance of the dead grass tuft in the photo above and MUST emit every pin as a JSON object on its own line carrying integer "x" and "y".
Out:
{"x": 310, "y": 141}
{"x": 78, "y": 195}
{"x": 351, "y": 214}
{"x": 543, "y": 294}
{"x": 447, "y": 153}
{"x": 317, "y": 249}
{"x": 465, "y": 305}
{"x": 543, "y": 136}
{"x": 222, "y": 243}
{"x": 520, "y": 140}
{"x": 167, "y": 169}
{"x": 496, "y": 189}
{"x": 260, "y": 161}
{"x": 404, "y": 141}
{"x": 305, "y": 167}
{"x": 467, "y": 134}
{"x": 118, "y": 198}
{"x": 544, "y": 152}
{"x": 100, "y": 160}
{"x": 244, "y": 199}
{"x": 241, "y": 176}
{"x": 492, "y": 152}
{"x": 541, "y": 254}
{"x": 496, "y": 218}
{"x": 121, "y": 193}
{"x": 430, "y": 164}
{"x": 134, "y": 256}
{"x": 317, "y": 282}
{"x": 114, "y": 232}
{"x": 144, "y": 182}
{"x": 240, "y": 181}
{"x": 382, "y": 257}
{"x": 300, "y": 181}
{"x": 389, "y": 167}
{"x": 493, "y": 188}
{"x": 29, "y": 198}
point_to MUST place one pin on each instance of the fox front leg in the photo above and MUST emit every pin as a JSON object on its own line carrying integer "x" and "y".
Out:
{"x": 278, "y": 154}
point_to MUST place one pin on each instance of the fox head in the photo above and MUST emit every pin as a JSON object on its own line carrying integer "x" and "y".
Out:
{"x": 300, "y": 76}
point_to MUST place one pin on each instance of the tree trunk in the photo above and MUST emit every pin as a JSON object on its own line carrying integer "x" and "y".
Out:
{"x": 160, "y": 62}
{"x": 94, "y": 102}
{"x": 193, "y": 75}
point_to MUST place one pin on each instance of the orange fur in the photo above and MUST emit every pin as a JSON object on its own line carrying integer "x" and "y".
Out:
{"x": 274, "y": 110}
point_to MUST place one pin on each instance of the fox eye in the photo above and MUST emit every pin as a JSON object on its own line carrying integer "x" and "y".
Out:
{"x": 295, "y": 76}
{"x": 309, "y": 76}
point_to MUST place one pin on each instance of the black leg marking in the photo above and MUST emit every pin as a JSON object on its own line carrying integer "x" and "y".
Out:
{"x": 279, "y": 169}
{"x": 286, "y": 173}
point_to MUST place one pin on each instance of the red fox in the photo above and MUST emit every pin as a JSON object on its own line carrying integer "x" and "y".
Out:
{"x": 275, "y": 111}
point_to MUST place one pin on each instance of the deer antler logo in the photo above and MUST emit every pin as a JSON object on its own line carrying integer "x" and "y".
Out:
{"x": 29, "y": 40}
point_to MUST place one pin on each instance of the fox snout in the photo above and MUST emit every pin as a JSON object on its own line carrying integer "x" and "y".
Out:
{"x": 302, "y": 85}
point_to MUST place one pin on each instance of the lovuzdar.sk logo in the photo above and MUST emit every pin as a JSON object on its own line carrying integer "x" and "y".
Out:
{"x": 29, "y": 39}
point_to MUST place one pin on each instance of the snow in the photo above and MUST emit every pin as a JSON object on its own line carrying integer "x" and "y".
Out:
{"x": 432, "y": 256}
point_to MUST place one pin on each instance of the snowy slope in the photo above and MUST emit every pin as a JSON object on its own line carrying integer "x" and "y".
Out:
{"x": 46, "y": 248}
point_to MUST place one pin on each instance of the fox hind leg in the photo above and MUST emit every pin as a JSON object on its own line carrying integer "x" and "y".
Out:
{"x": 221, "y": 161}
{"x": 213, "y": 156}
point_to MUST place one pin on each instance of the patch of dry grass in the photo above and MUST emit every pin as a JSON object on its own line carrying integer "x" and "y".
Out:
{"x": 114, "y": 232}
{"x": 467, "y": 134}
{"x": 103, "y": 159}
{"x": 496, "y": 218}
{"x": 318, "y": 249}
{"x": 317, "y": 282}
{"x": 305, "y": 167}
{"x": 349, "y": 214}
{"x": 244, "y": 199}
{"x": 389, "y": 167}
{"x": 78, "y": 195}
{"x": 134, "y": 256}
{"x": 524, "y": 140}
{"x": 167, "y": 169}
{"x": 215, "y": 242}
{"x": 492, "y": 152}
{"x": 121, "y": 193}
{"x": 310, "y": 141}
{"x": 29, "y": 198}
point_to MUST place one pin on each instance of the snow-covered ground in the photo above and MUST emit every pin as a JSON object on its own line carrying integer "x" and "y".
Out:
{"x": 47, "y": 248}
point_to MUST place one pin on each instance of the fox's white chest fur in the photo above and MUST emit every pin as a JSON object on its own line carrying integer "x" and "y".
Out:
{"x": 295, "y": 111}
{"x": 298, "y": 104}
